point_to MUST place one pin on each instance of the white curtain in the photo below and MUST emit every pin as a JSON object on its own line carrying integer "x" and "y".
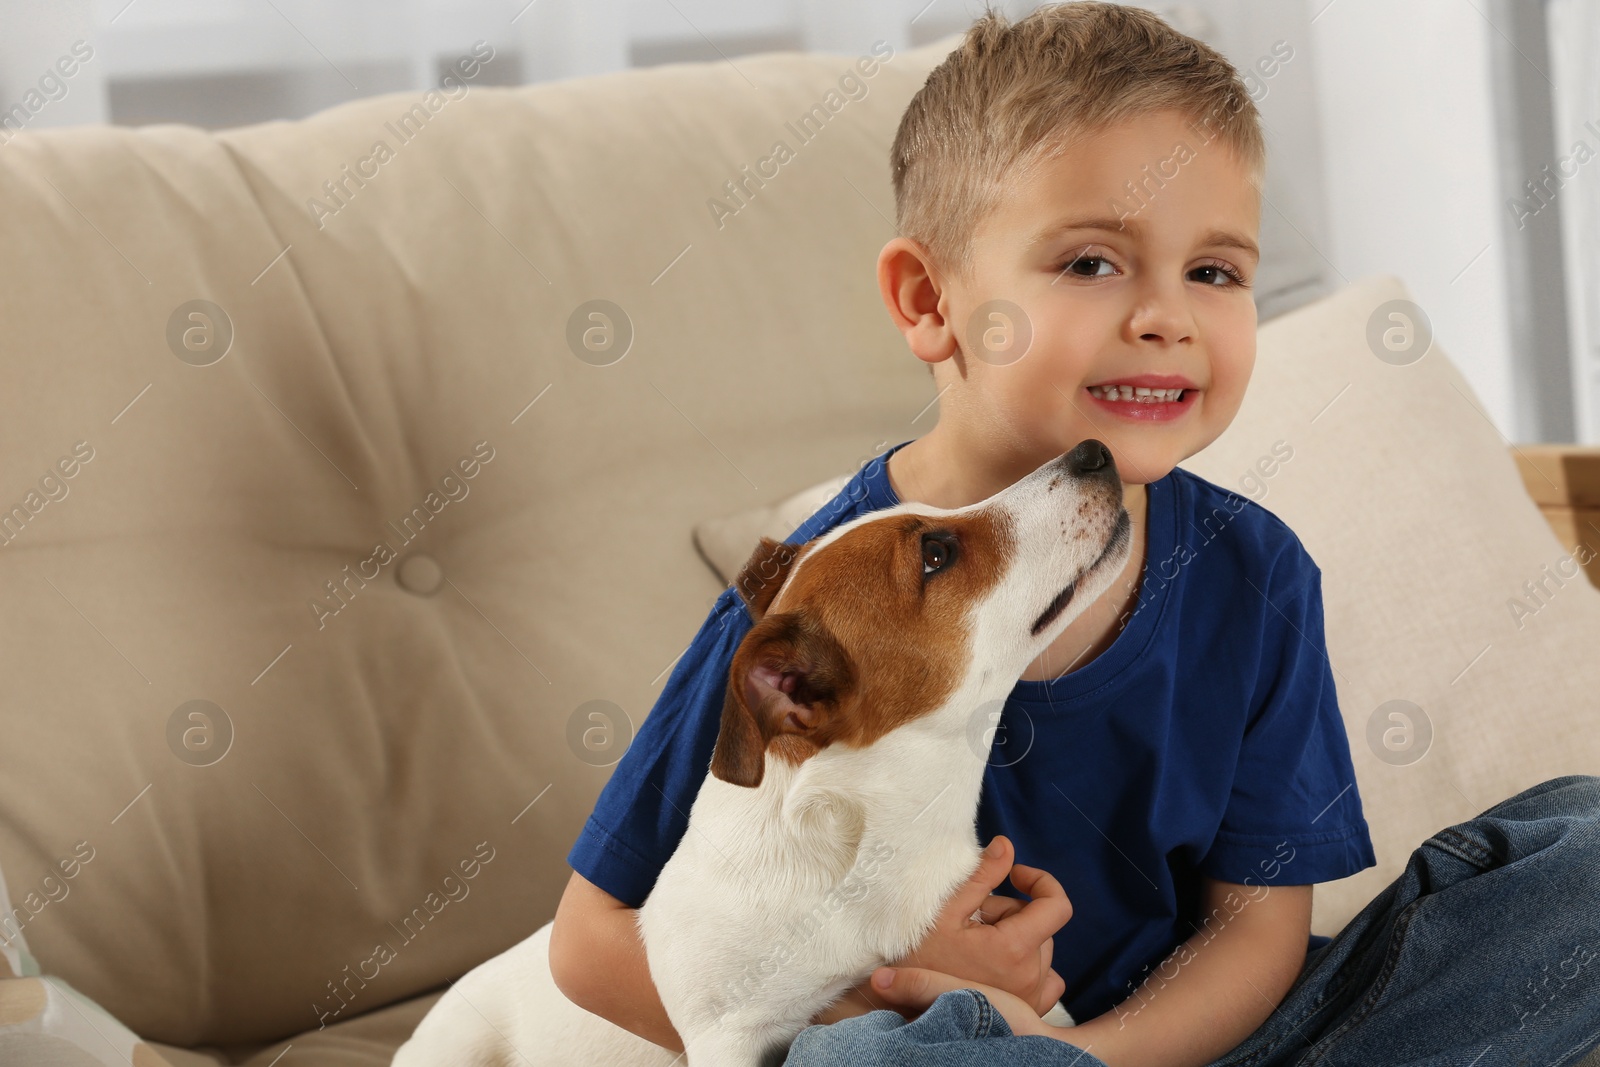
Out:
{"x": 1574, "y": 43}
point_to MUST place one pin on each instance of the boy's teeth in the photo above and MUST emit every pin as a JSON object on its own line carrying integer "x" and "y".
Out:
{"x": 1138, "y": 394}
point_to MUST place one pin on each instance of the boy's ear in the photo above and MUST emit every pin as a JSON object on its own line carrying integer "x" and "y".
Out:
{"x": 789, "y": 676}
{"x": 764, "y": 573}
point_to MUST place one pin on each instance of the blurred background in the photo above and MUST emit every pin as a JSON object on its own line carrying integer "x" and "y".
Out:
{"x": 1450, "y": 142}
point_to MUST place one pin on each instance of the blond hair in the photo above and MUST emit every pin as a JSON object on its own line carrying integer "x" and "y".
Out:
{"x": 1012, "y": 95}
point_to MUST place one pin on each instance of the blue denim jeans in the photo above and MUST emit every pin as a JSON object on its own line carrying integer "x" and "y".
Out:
{"x": 1485, "y": 952}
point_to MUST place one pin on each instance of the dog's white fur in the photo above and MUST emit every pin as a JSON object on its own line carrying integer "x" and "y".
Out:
{"x": 779, "y": 898}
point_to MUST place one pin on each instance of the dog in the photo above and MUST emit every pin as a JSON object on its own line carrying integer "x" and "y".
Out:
{"x": 838, "y": 815}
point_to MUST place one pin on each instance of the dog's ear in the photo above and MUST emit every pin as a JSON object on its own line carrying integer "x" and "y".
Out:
{"x": 789, "y": 676}
{"x": 764, "y": 573}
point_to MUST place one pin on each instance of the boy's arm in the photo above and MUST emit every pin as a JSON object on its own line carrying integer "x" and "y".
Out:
{"x": 598, "y": 962}
{"x": 596, "y": 956}
{"x": 1215, "y": 989}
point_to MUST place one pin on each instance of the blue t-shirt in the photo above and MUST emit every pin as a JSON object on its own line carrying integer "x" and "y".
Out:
{"x": 1206, "y": 739}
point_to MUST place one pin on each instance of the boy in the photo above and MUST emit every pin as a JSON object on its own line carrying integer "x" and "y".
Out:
{"x": 1078, "y": 201}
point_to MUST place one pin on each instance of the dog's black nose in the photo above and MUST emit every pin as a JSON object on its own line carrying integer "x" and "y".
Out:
{"x": 1090, "y": 457}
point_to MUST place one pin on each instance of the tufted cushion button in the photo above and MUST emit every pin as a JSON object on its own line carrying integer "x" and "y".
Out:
{"x": 419, "y": 574}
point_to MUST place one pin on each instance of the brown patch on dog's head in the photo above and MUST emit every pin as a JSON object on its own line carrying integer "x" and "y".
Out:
{"x": 764, "y": 573}
{"x": 870, "y": 636}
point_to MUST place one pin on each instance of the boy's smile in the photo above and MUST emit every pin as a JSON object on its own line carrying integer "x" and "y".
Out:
{"x": 1120, "y": 260}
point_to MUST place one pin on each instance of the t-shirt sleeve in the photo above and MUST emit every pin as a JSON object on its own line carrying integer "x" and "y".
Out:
{"x": 1294, "y": 815}
{"x": 643, "y": 810}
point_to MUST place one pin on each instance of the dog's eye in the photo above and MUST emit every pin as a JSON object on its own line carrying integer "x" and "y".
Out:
{"x": 937, "y": 553}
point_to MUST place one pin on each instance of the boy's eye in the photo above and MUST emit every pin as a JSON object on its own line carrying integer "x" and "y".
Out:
{"x": 1081, "y": 261}
{"x": 1220, "y": 274}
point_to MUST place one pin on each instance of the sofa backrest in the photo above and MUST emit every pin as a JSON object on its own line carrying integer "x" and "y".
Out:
{"x": 423, "y": 510}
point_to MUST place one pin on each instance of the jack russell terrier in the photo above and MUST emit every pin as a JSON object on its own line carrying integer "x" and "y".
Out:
{"x": 839, "y": 812}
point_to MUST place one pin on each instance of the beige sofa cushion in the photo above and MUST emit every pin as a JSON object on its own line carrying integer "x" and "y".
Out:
{"x": 727, "y": 540}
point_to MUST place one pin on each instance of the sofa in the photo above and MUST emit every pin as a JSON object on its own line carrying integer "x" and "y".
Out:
{"x": 359, "y": 501}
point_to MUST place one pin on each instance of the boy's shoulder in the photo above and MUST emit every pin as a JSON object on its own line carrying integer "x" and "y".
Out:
{"x": 1252, "y": 534}
{"x": 867, "y": 490}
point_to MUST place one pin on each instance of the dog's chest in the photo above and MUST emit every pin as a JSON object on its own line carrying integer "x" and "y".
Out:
{"x": 744, "y": 912}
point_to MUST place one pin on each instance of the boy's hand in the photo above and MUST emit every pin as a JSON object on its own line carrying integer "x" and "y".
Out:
{"x": 1010, "y": 947}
